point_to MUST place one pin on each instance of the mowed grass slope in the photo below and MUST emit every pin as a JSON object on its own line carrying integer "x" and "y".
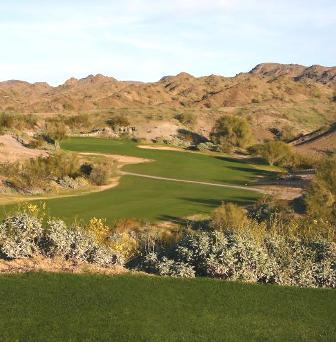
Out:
{"x": 214, "y": 168}
{"x": 151, "y": 199}
{"x": 147, "y": 199}
{"x": 64, "y": 307}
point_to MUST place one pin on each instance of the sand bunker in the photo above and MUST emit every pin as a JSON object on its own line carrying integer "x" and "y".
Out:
{"x": 162, "y": 148}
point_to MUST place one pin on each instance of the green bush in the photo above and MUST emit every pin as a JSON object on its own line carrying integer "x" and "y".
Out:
{"x": 321, "y": 196}
{"x": 274, "y": 152}
{"x": 231, "y": 132}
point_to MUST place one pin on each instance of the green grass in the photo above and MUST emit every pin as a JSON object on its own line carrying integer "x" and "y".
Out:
{"x": 146, "y": 199}
{"x": 154, "y": 200}
{"x": 64, "y": 307}
{"x": 192, "y": 166}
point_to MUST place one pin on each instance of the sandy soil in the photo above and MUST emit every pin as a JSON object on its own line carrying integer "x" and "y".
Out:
{"x": 154, "y": 129}
{"x": 121, "y": 159}
{"x": 162, "y": 148}
{"x": 11, "y": 150}
{"x": 318, "y": 147}
{"x": 41, "y": 264}
{"x": 282, "y": 192}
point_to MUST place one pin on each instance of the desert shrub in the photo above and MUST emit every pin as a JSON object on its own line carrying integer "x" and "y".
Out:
{"x": 286, "y": 133}
{"x": 174, "y": 141}
{"x": 127, "y": 225}
{"x": 36, "y": 142}
{"x": 20, "y": 235}
{"x": 168, "y": 267}
{"x": 230, "y": 132}
{"x": 101, "y": 172}
{"x": 17, "y": 121}
{"x": 64, "y": 168}
{"x": 118, "y": 121}
{"x": 56, "y": 132}
{"x": 267, "y": 208}
{"x": 80, "y": 121}
{"x": 232, "y": 254}
{"x": 123, "y": 243}
{"x": 237, "y": 256}
{"x": 187, "y": 119}
{"x": 34, "y": 173}
{"x": 228, "y": 216}
{"x": 78, "y": 244}
{"x": 208, "y": 146}
{"x": 99, "y": 175}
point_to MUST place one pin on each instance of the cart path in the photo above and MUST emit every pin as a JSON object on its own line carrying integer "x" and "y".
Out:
{"x": 229, "y": 186}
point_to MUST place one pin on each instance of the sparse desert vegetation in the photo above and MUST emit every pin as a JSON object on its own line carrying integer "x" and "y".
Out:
{"x": 179, "y": 192}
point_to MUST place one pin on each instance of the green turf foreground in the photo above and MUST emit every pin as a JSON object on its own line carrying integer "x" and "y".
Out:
{"x": 63, "y": 307}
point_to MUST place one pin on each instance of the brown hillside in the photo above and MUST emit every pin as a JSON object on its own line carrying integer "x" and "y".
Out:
{"x": 318, "y": 73}
{"x": 319, "y": 142}
{"x": 270, "y": 95}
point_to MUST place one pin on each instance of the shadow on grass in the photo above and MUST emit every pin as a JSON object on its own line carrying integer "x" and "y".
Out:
{"x": 254, "y": 172}
{"x": 251, "y": 160}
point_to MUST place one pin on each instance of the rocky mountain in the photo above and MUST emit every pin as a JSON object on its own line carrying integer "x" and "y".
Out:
{"x": 318, "y": 73}
{"x": 269, "y": 95}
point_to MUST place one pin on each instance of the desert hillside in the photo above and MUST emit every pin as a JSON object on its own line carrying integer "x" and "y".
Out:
{"x": 319, "y": 142}
{"x": 270, "y": 96}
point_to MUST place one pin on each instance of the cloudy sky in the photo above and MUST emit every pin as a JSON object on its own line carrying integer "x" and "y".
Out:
{"x": 48, "y": 40}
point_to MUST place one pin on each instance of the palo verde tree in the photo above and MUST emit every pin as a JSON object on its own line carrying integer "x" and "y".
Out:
{"x": 274, "y": 152}
{"x": 230, "y": 132}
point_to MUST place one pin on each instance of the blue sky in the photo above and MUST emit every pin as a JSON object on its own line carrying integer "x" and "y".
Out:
{"x": 51, "y": 41}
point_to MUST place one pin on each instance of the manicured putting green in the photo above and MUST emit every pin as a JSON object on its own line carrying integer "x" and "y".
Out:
{"x": 65, "y": 307}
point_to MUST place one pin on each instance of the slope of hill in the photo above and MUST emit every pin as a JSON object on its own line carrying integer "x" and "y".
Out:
{"x": 322, "y": 141}
{"x": 318, "y": 73}
{"x": 270, "y": 95}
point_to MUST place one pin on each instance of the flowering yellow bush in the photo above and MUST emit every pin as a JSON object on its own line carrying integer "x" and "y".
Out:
{"x": 124, "y": 244}
{"x": 99, "y": 230}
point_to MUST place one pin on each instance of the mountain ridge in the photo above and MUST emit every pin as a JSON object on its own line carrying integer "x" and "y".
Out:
{"x": 269, "y": 89}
